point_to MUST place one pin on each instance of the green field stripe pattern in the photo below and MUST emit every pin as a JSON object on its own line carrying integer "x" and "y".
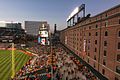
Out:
{"x": 21, "y": 64}
{"x": 5, "y": 63}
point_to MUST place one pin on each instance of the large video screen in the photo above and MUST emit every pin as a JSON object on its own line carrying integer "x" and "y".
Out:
{"x": 43, "y": 33}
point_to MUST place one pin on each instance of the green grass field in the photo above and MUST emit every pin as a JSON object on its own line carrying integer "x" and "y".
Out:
{"x": 5, "y": 63}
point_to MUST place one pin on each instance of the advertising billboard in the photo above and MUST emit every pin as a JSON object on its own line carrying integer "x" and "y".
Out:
{"x": 39, "y": 39}
{"x": 43, "y": 41}
{"x": 65, "y": 39}
{"x": 84, "y": 45}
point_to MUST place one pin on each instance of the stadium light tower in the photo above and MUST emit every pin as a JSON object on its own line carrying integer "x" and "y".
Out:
{"x": 13, "y": 62}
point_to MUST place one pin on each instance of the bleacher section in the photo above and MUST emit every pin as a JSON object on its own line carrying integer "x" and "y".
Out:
{"x": 7, "y": 34}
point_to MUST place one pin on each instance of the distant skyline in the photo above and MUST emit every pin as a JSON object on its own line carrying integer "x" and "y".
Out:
{"x": 52, "y": 11}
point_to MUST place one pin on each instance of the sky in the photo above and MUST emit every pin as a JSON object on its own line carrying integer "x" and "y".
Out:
{"x": 52, "y": 11}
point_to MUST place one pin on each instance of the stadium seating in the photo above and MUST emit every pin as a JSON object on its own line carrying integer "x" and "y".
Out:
{"x": 10, "y": 33}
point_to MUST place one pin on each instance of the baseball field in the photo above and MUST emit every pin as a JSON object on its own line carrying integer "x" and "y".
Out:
{"x": 6, "y": 62}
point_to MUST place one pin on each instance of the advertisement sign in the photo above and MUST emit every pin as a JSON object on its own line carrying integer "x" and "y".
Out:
{"x": 39, "y": 39}
{"x": 43, "y": 41}
{"x": 84, "y": 45}
{"x": 65, "y": 39}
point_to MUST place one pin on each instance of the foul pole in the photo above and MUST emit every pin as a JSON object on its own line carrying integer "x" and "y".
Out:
{"x": 13, "y": 62}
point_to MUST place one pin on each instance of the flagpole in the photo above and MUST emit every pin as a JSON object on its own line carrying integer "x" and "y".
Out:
{"x": 13, "y": 62}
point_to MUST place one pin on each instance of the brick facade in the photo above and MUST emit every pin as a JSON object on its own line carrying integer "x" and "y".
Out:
{"x": 101, "y": 35}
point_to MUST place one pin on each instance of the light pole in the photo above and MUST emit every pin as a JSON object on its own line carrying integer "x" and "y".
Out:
{"x": 52, "y": 56}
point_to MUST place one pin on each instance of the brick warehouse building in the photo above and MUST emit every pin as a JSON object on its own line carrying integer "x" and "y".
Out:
{"x": 97, "y": 41}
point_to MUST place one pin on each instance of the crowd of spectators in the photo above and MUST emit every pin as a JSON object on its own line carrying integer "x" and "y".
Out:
{"x": 70, "y": 68}
{"x": 84, "y": 70}
{"x": 66, "y": 67}
{"x": 33, "y": 71}
{"x": 36, "y": 68}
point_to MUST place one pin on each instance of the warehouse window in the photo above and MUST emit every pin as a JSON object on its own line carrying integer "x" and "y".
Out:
{"x": 89, "y": 34}
{"x": 103, "y": 71}
{"x": 118, "y": 69}
{"x": 105, "y": 52}
{"x": 94, "y": 57}
{"x": 106, "y": 33}
{"x": 104, "y": 62}
{"x": 105, "y": 43}
{"x": 96, "y": 34}
{"x": 89, "y": 27}
{"x": 118, "y": 45}
{"x": 119, "y": 33}
{"x": 118, "y": 57}
{"x": 119, "y": 21}
{"x": 95, "y": 41}
{"x": 96, "y": 26}
{"x": 95, "y": 49}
